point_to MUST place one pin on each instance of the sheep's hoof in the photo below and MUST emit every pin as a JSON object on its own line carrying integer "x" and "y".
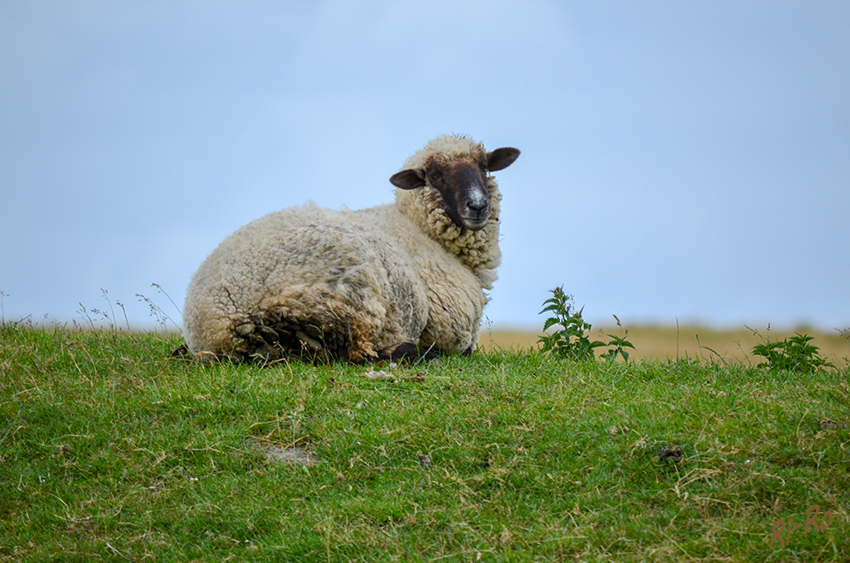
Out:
{"x": 407, "y": 352}
{"x": 180, "y": 352}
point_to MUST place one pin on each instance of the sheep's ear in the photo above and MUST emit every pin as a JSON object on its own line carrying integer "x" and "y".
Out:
{"x": 408, "y": 179}
{"x": 500, "y": 159}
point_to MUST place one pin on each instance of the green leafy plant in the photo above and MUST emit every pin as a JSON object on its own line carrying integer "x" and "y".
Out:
{"x": 791, "y": 354}
{"x": 571, "y": 339}
{"x": 617, "y": 345}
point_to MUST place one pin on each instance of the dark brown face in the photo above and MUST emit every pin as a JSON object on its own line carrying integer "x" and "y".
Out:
{"x": 463, "y": 187}
{"x": 461, "y": 182}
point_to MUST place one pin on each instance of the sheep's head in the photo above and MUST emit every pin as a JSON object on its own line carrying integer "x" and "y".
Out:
{"x": 461, "y": 180}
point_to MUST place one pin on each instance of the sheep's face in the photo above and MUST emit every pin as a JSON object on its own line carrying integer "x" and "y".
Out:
{"x": 461, "y": 182}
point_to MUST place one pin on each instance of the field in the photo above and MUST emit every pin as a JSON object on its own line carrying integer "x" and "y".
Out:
{"x": 111, "y": 450}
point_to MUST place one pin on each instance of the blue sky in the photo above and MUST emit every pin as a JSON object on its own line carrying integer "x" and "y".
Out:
{"x": 681, "y": 161}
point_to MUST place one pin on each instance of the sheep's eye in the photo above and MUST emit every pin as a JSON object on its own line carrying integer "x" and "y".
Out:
{"x": 435, "y": 174}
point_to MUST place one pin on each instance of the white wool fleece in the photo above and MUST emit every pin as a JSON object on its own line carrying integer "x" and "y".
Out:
{"x": 381, "y": 276}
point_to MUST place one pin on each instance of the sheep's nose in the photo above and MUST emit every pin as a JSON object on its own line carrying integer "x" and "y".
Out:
{"x": 477, "y": 206}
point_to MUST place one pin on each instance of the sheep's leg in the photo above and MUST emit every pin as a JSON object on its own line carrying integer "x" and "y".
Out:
{"x": 406, "y": 352}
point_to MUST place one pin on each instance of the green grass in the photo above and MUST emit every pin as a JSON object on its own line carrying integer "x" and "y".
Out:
{"x": 109, "y": 451}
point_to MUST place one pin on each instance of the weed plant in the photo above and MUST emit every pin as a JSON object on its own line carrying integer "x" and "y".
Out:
{"x": 572, "y": 339}
{"x": 791, "y": 354}
{"x": 112, "y": 451}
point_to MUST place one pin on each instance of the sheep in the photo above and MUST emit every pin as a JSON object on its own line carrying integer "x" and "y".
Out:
{"x": 392, "y": 282}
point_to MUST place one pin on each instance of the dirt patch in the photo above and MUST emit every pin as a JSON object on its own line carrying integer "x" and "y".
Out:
{"x": 294, "y": 455}
{"x": 674, "y": 453}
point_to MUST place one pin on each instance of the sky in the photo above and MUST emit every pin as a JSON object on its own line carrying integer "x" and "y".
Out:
{"x": 681, "y": 161}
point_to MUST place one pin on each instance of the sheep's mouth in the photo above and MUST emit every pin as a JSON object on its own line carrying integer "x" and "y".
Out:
{"x": 476, "y": 223}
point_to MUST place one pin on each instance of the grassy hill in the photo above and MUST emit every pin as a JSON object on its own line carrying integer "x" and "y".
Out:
{"x": 112, "y": 451}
